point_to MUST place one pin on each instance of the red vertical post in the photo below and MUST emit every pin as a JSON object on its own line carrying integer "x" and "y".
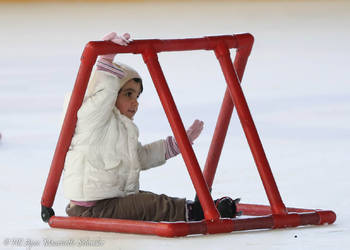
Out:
{"x": 87, "y": 61}
{"x": 151, "y": 60}
{"x": 223, "y": 55}
{"x": 217, "y": 143}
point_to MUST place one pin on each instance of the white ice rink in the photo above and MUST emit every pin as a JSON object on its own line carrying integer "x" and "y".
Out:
{"x": 296, "y": 83}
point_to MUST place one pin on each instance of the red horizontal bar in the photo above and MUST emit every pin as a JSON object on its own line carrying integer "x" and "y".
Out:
{"x": 164, "y": 229}
{"x": 140, "y": 46}
{"x": 259, "y": 210}
{"x": 177, "y": 229}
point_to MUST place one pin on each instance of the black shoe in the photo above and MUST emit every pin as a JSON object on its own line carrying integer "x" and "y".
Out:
{"x": 227, "y": 207}
{"x": 195, "y": 211}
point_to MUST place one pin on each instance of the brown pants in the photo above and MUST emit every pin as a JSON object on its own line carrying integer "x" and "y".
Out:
{"x": 145, "y": 206}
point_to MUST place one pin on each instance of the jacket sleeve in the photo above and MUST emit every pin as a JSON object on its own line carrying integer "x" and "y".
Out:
{"x": 98, "y": 106}
{"x": 151, "y": 155}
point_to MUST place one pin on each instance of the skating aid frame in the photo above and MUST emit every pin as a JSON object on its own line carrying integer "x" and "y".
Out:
{"x": 274, "y": 216}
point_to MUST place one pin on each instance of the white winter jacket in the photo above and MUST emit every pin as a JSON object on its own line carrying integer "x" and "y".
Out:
{"x": 105, "y": 158}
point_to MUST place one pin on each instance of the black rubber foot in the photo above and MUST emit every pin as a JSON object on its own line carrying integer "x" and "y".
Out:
{"x": 46, "y": 213}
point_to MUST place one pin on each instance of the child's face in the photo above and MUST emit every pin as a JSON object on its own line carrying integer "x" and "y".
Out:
{"x": 127, "y": 99}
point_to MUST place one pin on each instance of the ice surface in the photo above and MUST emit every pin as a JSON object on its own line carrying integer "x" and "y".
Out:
{"x": 296, "y": 83}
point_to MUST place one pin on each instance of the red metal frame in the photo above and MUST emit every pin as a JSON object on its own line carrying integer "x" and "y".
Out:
{"x": 274, "y": 216}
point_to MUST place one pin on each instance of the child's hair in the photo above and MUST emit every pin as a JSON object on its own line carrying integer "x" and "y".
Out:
{"x": 139, "y": 80}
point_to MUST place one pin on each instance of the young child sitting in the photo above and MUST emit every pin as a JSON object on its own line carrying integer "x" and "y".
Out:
{"x": 102, "y": 166}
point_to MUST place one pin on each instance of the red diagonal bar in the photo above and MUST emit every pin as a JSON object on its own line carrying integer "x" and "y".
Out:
{"x": 67, "y": 130}
{"x": 244, "y": 46}
{"x": 150, "y": 58}
{"x": 223, "y": 55}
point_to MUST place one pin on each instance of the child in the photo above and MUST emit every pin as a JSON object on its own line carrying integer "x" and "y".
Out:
{"x": 102, "y": 166}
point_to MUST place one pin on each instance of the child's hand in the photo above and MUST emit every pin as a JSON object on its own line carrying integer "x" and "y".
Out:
{"x": 195, "y": 130}
{"x": 123, "y": 40}
{"x": 120, "y": 40}
{"x": 171, "y": 147}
